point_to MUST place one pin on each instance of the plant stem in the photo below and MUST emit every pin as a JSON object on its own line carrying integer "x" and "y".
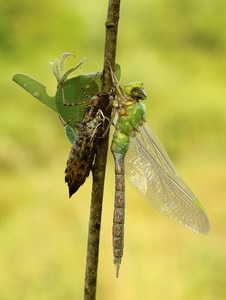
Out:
{"x": 101, "y": 158}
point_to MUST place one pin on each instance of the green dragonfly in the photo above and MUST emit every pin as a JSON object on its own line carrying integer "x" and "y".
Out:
{"x": 147, "y": 165}
{"x": 148, "y": 168}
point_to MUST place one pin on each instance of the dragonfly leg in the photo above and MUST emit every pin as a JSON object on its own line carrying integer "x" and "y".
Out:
{"x": 71, "y": 119}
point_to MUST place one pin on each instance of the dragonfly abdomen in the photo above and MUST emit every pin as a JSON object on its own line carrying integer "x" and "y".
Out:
{"x": 80, "y": 161}
{"x": 119, "y": 211}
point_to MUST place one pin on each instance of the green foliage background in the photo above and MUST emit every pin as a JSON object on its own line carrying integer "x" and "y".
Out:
{"x": 178, "y": 49}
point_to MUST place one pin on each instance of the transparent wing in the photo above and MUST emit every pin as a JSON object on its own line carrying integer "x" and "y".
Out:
{"x": 152, "y": 174}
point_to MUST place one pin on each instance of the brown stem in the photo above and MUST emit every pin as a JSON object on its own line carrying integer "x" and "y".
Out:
{"x": 101, "y": 158}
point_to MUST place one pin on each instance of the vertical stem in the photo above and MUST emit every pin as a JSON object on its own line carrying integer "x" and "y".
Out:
{"x": 110, "y": 42}
{"x": 101, "y": 158}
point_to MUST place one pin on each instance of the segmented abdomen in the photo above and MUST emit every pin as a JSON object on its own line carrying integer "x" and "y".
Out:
{"x": 80, "y": 160}
{"x": 119, "y": 211}
{"x": 120, "y": 144}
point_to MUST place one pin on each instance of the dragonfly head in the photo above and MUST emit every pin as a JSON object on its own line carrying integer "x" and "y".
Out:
{"x": 135, "y": 90}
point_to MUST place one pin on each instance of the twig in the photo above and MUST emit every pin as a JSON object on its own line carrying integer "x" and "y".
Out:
{"x": 101, "y": 158}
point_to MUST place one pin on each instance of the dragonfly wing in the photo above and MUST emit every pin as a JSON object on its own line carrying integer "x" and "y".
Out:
{"x": 152, "y": 174}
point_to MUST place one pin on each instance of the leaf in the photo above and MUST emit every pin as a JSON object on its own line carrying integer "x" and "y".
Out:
{"x": 70, "y": 134}
{"x": 36, "y": 89}
{"x": 76, "y": 92}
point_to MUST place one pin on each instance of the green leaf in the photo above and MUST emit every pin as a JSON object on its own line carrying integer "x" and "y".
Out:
{"x": 70, "y": 134}
{"x": 36, "y": 89}
{"x": 77, "y": 92}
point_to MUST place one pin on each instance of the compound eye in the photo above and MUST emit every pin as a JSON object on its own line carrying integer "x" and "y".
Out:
{"x": 138, "y": 93}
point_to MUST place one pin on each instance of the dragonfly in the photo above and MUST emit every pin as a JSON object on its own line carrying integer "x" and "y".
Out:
{"x": 140, "y": 157}
{"x": 84, "y": 147}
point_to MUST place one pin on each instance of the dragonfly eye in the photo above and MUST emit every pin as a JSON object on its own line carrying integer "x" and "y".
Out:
{"x": 138, "y": 93}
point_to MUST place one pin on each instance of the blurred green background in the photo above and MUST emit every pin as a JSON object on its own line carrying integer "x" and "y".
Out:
{"x": 177, "y": 48}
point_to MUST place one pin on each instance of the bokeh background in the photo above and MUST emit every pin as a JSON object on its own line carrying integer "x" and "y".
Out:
{"x": 177, "y": 48}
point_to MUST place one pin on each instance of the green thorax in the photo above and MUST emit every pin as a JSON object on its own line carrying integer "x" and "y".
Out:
{"x": 131, "y": 115}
